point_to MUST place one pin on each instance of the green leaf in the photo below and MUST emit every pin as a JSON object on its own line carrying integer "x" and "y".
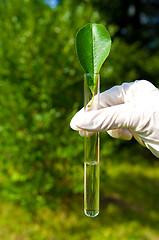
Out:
{"x": 93, "y": 44}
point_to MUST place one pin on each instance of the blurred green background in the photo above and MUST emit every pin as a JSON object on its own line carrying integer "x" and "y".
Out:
{"x": 41, "y": 88}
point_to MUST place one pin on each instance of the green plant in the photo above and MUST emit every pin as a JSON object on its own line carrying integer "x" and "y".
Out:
{"x": 93, "y": 44}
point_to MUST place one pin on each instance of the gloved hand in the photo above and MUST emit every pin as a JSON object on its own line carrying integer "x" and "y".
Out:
{"x": 131, "y": 109}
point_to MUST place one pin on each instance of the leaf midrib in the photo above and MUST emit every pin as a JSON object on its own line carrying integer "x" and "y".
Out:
{"x": 93, "y": 38}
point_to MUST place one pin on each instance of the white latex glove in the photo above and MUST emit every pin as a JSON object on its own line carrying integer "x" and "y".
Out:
{"x": 131, "y": 109}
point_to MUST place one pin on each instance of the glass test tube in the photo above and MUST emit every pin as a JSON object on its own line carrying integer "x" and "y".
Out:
{"x": 91, "y": 150}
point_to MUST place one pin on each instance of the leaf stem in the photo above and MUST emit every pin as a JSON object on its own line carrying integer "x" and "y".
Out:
{"x": 91, "y": 100}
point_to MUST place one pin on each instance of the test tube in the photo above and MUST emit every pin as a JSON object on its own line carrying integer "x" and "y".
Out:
{"x": 91, "y": 149}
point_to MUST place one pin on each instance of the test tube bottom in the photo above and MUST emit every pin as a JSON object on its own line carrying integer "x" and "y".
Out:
{"x": 91, "y": 189}
{"x": 92, "y": 213}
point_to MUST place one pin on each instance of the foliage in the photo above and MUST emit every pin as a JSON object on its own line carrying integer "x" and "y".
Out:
{"x": 41, "y": 158}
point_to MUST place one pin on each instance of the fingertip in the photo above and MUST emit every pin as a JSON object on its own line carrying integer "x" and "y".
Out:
{"x": 73, "y": 125}
{"x": 83, "y": 133}
{"x": 122, "y": 133}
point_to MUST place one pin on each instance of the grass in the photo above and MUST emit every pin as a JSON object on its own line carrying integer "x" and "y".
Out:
{"x": 129, "y": 210}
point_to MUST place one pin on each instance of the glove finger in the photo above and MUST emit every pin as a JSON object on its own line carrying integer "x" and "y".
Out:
{"x": 122, "y": 133}
{"x": 119, "y": 116}
{"x": 83, "y": 133}
{"x": 125, "y": 93}
{"x": 136, "y": 136}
